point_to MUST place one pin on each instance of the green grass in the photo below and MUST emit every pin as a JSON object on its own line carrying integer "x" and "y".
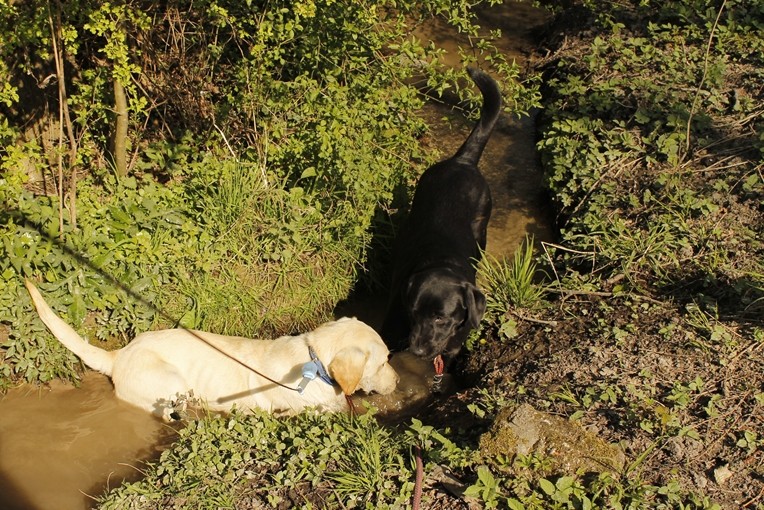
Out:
{"x": 511, "y": 283}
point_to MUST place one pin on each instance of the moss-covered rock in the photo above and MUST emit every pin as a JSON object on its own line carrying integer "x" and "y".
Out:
{"x": 566, "y": 445}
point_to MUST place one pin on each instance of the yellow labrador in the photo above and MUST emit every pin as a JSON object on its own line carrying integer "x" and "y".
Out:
{"x": 158, "y": 368}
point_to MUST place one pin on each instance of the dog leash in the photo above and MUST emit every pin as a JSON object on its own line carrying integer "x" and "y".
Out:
{"x": 437, "y": 380}
{"x": 242, "y": 363}
{"x": 417, "y": 497}
{"x": 310, "y": 370}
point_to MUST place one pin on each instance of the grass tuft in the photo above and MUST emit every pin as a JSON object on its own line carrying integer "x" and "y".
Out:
{"x": 512, "y": 283}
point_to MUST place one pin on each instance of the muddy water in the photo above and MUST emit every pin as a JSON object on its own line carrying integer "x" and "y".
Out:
{"x": 510, "y": 161}
{"x": 61, "y": 445}
{"x": 511, "y": 167}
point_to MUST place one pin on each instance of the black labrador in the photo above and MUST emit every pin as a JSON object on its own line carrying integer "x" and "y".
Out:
{"x": 434, "y": 302}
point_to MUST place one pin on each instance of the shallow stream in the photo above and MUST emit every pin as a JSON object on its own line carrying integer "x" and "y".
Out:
{"x": 60, "y": 445}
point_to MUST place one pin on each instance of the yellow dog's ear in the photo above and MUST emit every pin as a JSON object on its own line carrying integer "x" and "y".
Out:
{"x": 347, "y": 368}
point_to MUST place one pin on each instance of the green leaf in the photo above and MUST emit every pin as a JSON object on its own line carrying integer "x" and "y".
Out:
{"x": 547, "y": 486}
{"x": 473, "y": 491}
{"x": 77, "y": 309}
{"x": 641, "y": 116}
{"x": 486, "y": 477}
{"x": 565, "y": 482}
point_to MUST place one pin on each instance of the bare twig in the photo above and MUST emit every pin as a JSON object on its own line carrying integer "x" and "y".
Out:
{"x": 531, "y": 319}
{"x": 64, "y": 119}
{"x": 230, "y": 149}
{"x": 702, "y": 79}
{"x": 120, "y": 127}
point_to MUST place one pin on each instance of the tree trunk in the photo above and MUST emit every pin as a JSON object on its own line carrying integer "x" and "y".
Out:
{"x": 120, "y": 129}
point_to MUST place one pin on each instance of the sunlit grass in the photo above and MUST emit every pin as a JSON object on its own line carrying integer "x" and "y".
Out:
{"x": 511, "y": 282}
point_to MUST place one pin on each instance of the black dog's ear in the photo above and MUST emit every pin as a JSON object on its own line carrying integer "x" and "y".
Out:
{"x": 475, "y": 301}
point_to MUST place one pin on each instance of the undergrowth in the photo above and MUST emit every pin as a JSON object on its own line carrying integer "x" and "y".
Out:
{"x": 649, "y": 140}
{"x": 247, "y": 203}
{"x": 646, "y": 329}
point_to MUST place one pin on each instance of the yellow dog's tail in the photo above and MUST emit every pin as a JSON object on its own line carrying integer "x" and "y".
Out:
{"x": 94, "y": 357}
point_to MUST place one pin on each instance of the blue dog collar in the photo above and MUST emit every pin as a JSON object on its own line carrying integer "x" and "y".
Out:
{"x": 312, "y": 369}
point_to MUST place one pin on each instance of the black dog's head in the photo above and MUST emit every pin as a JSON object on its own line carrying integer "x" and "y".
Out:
{"x": 442, "y": 307}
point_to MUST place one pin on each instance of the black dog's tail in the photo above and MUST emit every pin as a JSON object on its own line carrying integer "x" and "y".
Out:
{"x": 472, "y": 148}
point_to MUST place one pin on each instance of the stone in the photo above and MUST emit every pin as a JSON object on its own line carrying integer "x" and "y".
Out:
{"x": 722, "y": 474}
{"x": 564, "y": 444}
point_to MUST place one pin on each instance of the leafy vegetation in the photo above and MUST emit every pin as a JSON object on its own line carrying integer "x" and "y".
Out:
{"x": 341, "y": 458}
{"x": 651, "y": 144}
{"x": 652, "y": 137}
{"x": 260, "y": 142}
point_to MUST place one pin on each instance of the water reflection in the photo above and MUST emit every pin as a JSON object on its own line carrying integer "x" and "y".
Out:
{"x": 61, "y": 445}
